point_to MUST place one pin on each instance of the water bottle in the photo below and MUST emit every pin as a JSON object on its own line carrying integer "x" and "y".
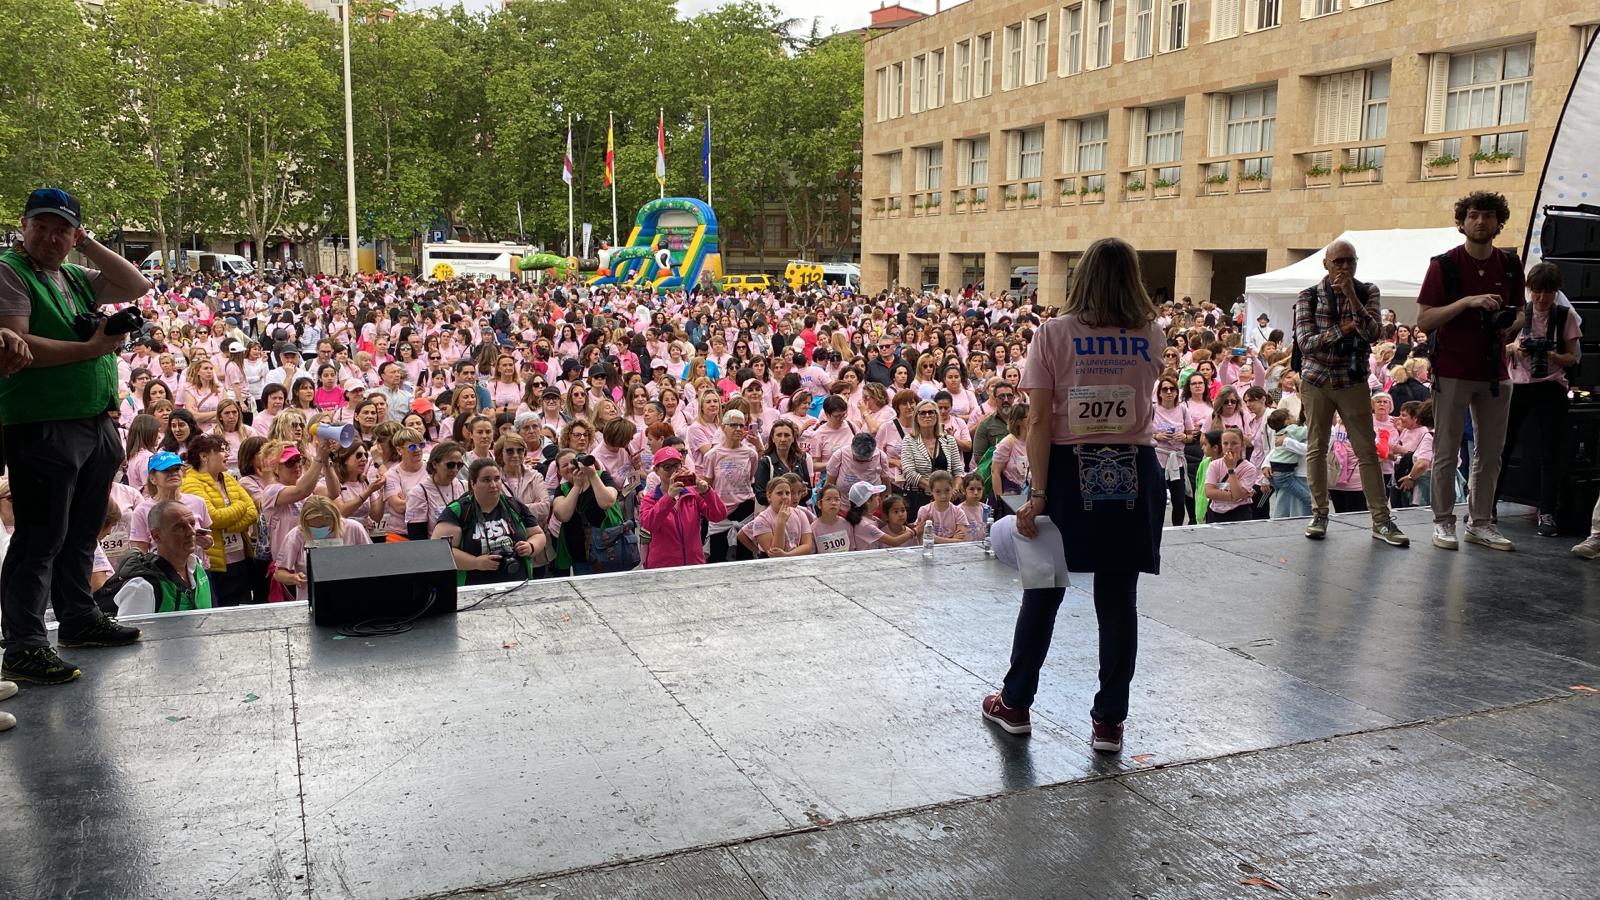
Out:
{"x": 927, "y": 539}
{"x": 983, "y": 532}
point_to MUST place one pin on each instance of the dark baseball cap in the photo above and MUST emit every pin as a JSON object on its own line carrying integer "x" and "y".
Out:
{"x": 56, "y": 202}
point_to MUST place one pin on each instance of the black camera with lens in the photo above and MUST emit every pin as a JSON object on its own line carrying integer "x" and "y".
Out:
{"x": 511, "y": 566}
{"x": 584, "y": 459}
{"x": 127, "y": 320}
{"x": 1498, "y": 319}
{"x": 1538, "y": 350}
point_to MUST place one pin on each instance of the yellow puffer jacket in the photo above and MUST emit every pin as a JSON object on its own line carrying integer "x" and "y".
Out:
{"x": 233, "y": 514}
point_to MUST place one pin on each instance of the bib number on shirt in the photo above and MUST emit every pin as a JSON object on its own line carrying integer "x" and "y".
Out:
{"x": 833, "y": 542}
{"x": 1101, "y": 409}
{"x": 232, "y": 542}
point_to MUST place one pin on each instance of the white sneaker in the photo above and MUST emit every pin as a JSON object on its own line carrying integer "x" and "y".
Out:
{"x": 1489, "y": 536}
{"x": 1444, "y": 536}
{"x": 7, "y": 689}
{"x": 1589, "y": 548}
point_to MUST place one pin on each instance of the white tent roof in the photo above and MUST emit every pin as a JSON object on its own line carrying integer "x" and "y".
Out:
{"x": 1394, "y": 259}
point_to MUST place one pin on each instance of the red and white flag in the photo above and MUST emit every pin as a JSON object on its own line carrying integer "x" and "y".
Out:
{"x": 566, "y": 165}
{"x": 661, "y": 149}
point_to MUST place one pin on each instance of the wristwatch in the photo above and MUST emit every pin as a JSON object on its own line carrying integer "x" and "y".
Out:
{"x": 87, "y": 236}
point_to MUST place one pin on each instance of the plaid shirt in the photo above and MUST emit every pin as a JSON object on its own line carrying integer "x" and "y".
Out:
{"x": 1325, "y": 357}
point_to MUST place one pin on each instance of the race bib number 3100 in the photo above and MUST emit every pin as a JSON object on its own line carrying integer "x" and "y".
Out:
{"x": 1101, "y": 409}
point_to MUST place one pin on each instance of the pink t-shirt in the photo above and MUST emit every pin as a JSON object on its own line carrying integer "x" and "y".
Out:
{"x": 845, "y": 470}
{"x": 1102, "y": 379}
{"x": 397, "y": 482}
{"x": 294, "y": 547}
{"x": 731, "y": 472}
{"x": 946, "y": 522}
{"x": 1248, "y": 475}
{"x": 824, "y": 440}
{"x": 793, "y": 530}
{"x": 865, "y": 534}
{"x": 836, "y": 537}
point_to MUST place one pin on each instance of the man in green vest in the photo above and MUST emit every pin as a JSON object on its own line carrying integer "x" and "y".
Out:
{"x": 60, "y": 435}
{"x": 169, "y": 578}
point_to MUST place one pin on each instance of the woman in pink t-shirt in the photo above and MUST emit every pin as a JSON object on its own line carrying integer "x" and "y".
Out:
{"x": 1090, "y": 378}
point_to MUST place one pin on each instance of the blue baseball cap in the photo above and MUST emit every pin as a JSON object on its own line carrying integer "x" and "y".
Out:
{"x": 163, "y": 461}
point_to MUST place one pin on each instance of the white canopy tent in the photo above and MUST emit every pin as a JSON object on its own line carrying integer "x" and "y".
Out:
{"x": 1394, "y": 259}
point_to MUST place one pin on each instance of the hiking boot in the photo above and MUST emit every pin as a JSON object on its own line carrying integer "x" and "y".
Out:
{"x": 1107, "y": 738}
{"x": 97, "y": 630}
{"x": 1489, "y": 536}
{"x": 1588, "y": 548}
{"x": 1318, "y": 528}
{"x": 39, "y": 665}
{"x": 1390, "y": 534}
{"x": 1444, "y": 536}
{"x": 1014, "y": 721}
{"x": 1547, "y": 525}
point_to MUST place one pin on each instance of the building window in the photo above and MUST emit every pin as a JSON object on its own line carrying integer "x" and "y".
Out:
{"x": 1071, "y": 40}
{"x": 1485, "y": 88}
{"x": 1224, "y": 19}
{"x": 1141, "y": 29}
{"x": 919, "y": 82}
{"x": 1263, "y": 14}
{"x": 1310, "y": 9}
{"x": 897, "y": 85}
{"x": 984, "y": 52}
{"x": 962, "y": 89}
{"x": 936, "y": 79}
{"x": 977, "y": 161}
{"x": 1083, "y": 145}
{"x": 1038, "y": 48}
{"x": 1163, "y": 135}
{"x": 1585, "y": 38}
{"x": 1011, "y": 74}
{"x": 1374, "y": 117}
{"x": 772, "y": 230}
{"x": 891, "y": 162}
{"x": 930, "y": 168}
{"x": 1031, "y": 153}
{"x": 1100, "y": 15}
{"x": 1174, "y": 25}
{"x": 881, "y": 77}
{"x": 1252, "y": 117}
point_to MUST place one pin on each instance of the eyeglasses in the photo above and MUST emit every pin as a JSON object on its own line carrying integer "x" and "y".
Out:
{"x": 452, "y": 466}
{"x": 1343, "y": 261}
{"x": 1169, "y": 389}
{"x": 414, "y": 448}
{"x": 1230, "y": 403}
{"x": 361, "y": 454}
{"x": 926, "y": 412}
{"x": 736, "y": 426}
{"x": 515, "y": 451}
{"x": 1171, "y": 353}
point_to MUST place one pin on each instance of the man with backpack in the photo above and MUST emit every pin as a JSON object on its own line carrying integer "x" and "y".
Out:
{"x": 1469, "y": 302}
{"x": 1335, "y": 322}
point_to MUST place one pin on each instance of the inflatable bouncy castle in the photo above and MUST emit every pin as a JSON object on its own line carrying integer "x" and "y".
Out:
{"x": 672, "y": 246}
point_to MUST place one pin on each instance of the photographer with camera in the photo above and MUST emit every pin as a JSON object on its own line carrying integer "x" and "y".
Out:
{"x": 60, "y": 424}
{"x": 492, "y": 536}
{"x": 1335, "y": 322}
{"x": 1546, "y": 345}
{"x": 1468, "y": 303}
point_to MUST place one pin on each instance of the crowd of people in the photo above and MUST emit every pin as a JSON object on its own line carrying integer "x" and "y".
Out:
{"x": 555, "y": 429}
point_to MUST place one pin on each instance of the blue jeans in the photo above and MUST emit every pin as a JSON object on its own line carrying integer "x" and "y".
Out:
{"x": 1291, "y": 496}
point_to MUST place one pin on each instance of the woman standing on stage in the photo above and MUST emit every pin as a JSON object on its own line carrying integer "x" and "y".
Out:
{"x": 1091, "y": 457}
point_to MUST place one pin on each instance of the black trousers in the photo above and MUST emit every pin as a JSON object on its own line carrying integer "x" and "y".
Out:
{"x": 719, "y": 542}
{"x": 1547, "y": 403}
{"x": 61, "y": 476}
{"x": 1347, "y": 501}
{"x": 1182, "y": 503}
{"x": 1116, "y": 608}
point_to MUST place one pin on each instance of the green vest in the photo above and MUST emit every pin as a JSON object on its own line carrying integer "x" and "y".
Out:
{"x": 72, "y": 391}
{"x": 174, "y": 597}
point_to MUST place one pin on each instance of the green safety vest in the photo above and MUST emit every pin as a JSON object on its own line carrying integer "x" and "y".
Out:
{"x": 75, "y": 390}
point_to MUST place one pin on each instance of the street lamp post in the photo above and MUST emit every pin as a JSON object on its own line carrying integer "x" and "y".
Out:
{"x": 349, "y": 141}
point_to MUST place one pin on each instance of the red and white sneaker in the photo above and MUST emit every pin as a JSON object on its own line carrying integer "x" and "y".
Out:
{"x": 1107, "y": 738}
{"x": 1014, "y": 721}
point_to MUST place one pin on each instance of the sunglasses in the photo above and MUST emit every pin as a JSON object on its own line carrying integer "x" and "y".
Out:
{"x": 926, "y": 413}
{"x": 515, "y": 451}
{"x": 452, "y": 466}
{"x": 1169, "y": 390}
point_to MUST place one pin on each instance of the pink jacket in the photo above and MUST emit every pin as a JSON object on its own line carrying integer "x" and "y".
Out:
{"x": 674, "y": 526}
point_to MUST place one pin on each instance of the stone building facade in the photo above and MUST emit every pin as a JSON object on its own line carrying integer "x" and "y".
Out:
{"x": 1222, "y": 138}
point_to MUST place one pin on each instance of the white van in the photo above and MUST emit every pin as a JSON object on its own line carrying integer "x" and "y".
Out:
{"x": 843, "y": 274}
{"x": 226, "y": 264}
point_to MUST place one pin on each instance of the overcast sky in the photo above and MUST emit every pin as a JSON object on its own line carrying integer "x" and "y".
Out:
{"x": 840, "y": 15}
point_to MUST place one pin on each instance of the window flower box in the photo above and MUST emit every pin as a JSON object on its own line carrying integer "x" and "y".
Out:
{"x": 1254, "y": 183}
{"x": 1496, "y": 162}
{"x": 1440, "y": 167}
{"x": 1318, "y": 177}
{"x": 1164, "y": 189}
{"x": 1010, "y": 199}
{"x": 1069, "y": 197}
{"x": 1360, "y": 173}
{"x": 1216, "y": 184}
{"x": 1135, "y": 190}
{"x": 1092, "y": 195}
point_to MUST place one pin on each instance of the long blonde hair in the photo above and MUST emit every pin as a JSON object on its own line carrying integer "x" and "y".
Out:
{"x": 1108, "y": 289}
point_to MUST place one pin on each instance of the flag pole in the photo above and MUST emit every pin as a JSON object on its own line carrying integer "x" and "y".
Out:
{"x": 572, "y": 247}
{"x": 611, "y": 175}
{"x": 708, "y": 154}
{"x": 661, "y": 150}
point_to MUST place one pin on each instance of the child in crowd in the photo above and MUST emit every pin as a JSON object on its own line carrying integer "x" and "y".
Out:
{"x": 1291, "y": 494}
{"x": 949, "y": 525}
{"x": 320, "y": 525}
{"x": 783, "y": 528}
{"x": 865, "y": 500}
{"x": 1210, "y": 449}
{"x": 1230, "y": 481}
{"x": 973, "y": 509}
{"x": 894, "y": 532}
{"x": 831, "y": 533}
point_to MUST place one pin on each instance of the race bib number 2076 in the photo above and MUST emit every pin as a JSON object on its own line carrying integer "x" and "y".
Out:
{"x": 1101, "y": 409}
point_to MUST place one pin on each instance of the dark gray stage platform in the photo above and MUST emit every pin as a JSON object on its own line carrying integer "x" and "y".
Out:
{"x": 1309, "y": 720}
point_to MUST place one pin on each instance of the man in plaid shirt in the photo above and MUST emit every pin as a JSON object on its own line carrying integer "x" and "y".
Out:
{"x": 1335, "y": 322}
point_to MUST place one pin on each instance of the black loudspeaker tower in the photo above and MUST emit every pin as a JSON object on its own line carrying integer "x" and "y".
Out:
{"x": 1570, "y": 231}
{"x": 362, "y": 582}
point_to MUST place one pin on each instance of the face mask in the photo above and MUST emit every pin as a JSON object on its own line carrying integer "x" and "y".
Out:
{"x": 320, "y": 532}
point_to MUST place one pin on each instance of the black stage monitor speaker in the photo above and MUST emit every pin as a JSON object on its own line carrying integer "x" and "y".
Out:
{"x": 1570, "y": 231}
{"x": 361, "y": 582}
{"x": 1580, "y": 278}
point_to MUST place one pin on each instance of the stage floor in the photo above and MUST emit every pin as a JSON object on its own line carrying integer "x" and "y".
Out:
{"x": 1312, "y": 720}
